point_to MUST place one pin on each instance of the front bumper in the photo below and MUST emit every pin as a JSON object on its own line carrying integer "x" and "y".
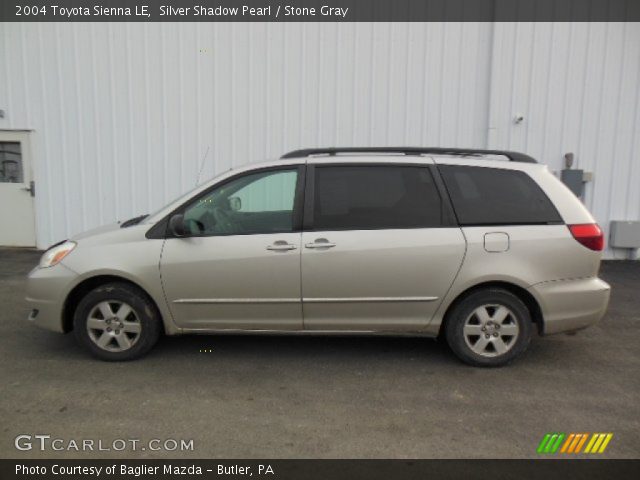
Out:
{"x": 569, "y": 305}
{"x": 47, "y": 289}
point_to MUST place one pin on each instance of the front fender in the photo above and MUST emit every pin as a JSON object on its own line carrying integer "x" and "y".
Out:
{"x": 136, "y": 261}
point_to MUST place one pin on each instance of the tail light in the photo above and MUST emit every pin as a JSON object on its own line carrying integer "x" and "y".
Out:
{"x": 589, "y": 235}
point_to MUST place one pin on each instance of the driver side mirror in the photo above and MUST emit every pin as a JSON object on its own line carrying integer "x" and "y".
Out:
{"x": 176, "y": 225}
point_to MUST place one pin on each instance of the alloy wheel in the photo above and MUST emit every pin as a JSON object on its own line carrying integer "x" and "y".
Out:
{"x": 491, "y": 330}
{"x": 113, "y": 325}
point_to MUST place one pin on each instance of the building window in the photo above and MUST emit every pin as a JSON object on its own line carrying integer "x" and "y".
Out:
{"x": 10, "y": 162}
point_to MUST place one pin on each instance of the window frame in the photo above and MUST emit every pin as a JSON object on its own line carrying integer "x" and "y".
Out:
{"x": 448, "y": 216}
{"x": 161, "y": 229}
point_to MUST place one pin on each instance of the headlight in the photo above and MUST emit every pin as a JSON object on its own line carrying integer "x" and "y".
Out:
{"x": 54, "y": 255}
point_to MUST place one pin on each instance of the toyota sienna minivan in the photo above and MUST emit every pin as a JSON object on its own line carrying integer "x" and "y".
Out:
{"x": 480, "y": 247}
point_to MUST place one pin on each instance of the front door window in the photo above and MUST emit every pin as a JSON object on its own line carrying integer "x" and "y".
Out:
{"x": 256, "y": 203}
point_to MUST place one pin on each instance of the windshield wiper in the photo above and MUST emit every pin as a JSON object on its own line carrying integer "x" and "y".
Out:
{"x": 134, "y": 221}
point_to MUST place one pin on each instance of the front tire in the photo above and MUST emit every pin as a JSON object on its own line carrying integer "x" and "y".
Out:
{"x": 489, "y": 328}
{"x": 117, "y": 322}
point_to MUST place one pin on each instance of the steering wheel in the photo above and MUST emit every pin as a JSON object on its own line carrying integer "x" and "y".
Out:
{"x": 224, "y": 223}
{"x": 194, "y": 226}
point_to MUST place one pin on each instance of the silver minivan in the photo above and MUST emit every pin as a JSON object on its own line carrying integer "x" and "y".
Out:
{"x": 479, "y": 247}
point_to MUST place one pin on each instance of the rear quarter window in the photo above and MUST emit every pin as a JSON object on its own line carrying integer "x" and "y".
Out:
{"x": 494, "y": 196}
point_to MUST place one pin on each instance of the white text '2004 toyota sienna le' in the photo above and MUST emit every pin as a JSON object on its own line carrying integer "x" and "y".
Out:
{"x": 439, "y": 242}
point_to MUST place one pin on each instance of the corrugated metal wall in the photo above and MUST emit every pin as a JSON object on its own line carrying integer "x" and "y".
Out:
{"x": 577, "y": 86}
{"x": 123, "y": 114}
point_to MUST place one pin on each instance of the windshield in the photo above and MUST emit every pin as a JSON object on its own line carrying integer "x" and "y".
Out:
{"x": 182, "y": 197}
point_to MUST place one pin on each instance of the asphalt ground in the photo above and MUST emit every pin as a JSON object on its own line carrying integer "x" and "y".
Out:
{"x": 318, "y": 397}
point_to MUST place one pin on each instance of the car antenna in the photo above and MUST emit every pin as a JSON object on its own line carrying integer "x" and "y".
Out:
{"x": 202, "y": 166}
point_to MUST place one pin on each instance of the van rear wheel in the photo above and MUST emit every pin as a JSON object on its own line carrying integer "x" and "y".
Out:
{"x": 117, "y": 322}
{"x": 489, "y": 328}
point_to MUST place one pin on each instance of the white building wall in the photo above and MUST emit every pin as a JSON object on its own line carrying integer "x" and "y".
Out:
{"x": 578, "y": 87}
{"x": 122, "y": 115}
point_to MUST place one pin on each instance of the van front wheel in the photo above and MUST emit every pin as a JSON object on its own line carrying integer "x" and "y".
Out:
{"x": 489, "y": 328}
{"x": 116, "y": 322}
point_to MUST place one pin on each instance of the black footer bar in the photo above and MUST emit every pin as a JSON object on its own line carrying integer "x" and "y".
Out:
{"x": 547, "y": 469}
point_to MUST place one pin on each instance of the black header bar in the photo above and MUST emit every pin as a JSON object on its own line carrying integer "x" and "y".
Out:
{"x": 318, "y": 10}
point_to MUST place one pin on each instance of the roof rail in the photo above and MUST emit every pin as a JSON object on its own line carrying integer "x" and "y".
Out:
{"x": 512, "y": 156}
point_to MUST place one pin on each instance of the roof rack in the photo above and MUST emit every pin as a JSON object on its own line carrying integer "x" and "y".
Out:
{"x": 512, "y": 156}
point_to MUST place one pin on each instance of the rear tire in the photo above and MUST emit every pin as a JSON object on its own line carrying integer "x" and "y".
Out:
{"x": 489, "y": 328}
{"x": 117, "y": 322}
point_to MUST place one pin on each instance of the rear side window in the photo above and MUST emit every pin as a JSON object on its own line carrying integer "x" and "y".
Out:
{"x": 493, "y": 196}
{"x": 375, "y": 197}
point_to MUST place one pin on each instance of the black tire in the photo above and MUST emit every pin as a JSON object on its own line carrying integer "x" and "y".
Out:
{"x": 144, "y": 312}
{"x": 487, "y": 298}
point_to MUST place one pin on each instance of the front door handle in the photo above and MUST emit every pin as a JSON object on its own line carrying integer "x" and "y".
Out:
{"x": 281, "y": 246}
{"x": 320, "y": 243}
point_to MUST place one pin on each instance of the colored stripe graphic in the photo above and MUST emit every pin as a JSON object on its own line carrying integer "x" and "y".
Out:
{"x": 543, "y": 443}
{"x": 581, "y": 442}
{"x": 578, "y": 442}
{"x": 606, "y": 442}
{"x": 549, "y": 446}
{"x": 572, "y": 447}
{"x": 598, "y": 442}
{"x": 567, "y": 443}
{"x": 591, "y": 442}
{"x": 556, "y": 445}
{"x": 550, "y": 443}
{"x": 572, "y": 443}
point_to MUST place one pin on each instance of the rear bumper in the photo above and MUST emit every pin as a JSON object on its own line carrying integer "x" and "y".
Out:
{"x": 569, "y": 305}
{"x": 47, "y": 289}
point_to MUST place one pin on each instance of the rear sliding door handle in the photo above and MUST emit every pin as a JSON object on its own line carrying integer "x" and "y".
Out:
{"x": 280, "y": 246}
{"x": 320, "y": 243}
